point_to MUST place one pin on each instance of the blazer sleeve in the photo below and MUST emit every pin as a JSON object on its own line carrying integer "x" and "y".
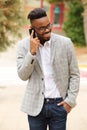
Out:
{"x": 74, "y": 76}
{"x": 25, "y": 61}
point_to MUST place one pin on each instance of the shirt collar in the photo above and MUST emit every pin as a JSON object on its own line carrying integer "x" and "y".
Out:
{"x": 47, "y": 43}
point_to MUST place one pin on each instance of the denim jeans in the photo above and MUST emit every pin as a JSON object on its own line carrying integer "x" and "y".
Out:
{"x": 52, "y": 115}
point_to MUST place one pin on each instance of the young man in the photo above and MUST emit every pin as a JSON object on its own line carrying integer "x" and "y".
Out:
{"x": 49, "y": 64}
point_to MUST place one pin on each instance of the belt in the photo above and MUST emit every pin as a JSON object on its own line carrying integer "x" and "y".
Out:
{"x": 53, "y": 100}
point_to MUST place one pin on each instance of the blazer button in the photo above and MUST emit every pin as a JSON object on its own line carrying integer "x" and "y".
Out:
{"x": 42, "y": 93}
{"x": 32, "y": 61}
{"x": 42, "y": 79}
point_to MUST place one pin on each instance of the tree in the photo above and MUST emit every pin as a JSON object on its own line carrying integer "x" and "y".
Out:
{"x": 55, "y": 1}
{"x": 11, "y": 18}
{"x": 85, "y": 18}
{"x": 73, "y": 26}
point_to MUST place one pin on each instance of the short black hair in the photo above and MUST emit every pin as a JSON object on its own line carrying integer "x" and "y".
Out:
{"x": 36, "y": 14}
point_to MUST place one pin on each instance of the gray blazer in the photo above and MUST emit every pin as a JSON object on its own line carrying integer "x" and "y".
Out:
{"x": 65, "y": 69}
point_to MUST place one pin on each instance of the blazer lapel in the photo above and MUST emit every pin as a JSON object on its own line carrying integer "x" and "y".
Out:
{"x": 39, "y": 57}
{"x": 38, "y": 65}
{"x": 53, "y": 48}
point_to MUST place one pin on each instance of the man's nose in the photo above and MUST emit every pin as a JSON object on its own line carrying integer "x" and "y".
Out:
{"x": 47, "y": 30}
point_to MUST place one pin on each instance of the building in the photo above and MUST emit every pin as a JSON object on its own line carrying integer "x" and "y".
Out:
{"x": 57, "y": 15}
{"x": 55, "y": 11}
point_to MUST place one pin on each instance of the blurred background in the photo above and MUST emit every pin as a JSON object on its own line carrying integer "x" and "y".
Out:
{"x": 69, "y": 18}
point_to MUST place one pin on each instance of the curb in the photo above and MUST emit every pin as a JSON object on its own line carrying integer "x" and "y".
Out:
{"x": 82, "y": 66}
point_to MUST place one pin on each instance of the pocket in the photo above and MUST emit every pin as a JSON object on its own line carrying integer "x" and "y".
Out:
{"x": 64, "y": 109}
{"x": 60, "y": 111}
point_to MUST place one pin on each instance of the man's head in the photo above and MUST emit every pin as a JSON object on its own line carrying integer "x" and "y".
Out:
{"x": 40, "y": 23}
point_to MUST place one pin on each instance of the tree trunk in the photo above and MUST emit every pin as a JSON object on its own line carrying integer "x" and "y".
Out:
{"x": 85, "y": 19}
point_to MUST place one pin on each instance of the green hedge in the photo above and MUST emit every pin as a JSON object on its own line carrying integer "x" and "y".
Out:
{"x": 73, "y": 26}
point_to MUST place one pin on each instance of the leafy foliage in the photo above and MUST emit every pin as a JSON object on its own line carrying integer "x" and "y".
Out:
{"x": 55, "y": 1}
{"x": 58, "y": 1}
{"x": 73, "y": 26}
{"x": 11, "y": 18}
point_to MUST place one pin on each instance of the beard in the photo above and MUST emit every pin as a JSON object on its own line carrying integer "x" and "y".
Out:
{"x": 44, "y": 37}
{"x": 42, "y": 41}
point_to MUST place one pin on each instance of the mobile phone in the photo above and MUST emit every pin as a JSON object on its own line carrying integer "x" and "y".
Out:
{"x": 30, "y": 31}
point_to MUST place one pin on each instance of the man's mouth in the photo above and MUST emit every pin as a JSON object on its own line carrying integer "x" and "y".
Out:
{"x": 46, "y": 35}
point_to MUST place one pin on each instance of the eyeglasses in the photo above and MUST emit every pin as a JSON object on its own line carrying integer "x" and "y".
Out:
{"x": 43, "y": 28}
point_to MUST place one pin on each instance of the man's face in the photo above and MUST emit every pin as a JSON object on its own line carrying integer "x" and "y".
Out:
{"x": 42, "y": 27}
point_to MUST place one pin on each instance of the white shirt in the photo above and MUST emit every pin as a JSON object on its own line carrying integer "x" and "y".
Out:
{"x": 51, "y": 90}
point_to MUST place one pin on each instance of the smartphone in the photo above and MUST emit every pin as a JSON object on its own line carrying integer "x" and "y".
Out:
{"x": 30, "y": 31}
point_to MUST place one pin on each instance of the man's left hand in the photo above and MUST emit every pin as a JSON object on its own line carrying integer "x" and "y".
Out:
{"x": 66, "y": 106}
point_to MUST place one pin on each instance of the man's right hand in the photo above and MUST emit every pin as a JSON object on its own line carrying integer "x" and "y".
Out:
{"x": 34, "y": 43}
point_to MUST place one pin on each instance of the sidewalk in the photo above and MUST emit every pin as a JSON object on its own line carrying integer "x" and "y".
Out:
{"x": 83, "y": 65}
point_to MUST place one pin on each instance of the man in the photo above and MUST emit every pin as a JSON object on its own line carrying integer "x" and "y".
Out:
{"x": 49, "y": 64}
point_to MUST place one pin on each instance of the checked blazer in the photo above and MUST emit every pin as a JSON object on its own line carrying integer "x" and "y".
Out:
{"x": 65, "y": 70}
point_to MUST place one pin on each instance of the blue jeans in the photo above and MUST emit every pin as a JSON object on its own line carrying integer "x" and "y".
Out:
{"x": 52, "y": 115}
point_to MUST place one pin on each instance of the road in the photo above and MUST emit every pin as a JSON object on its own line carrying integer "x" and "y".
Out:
{"x": 9, "y": 77}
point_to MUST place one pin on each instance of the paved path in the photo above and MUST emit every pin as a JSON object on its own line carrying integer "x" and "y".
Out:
{"x": 9, "y": 77}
